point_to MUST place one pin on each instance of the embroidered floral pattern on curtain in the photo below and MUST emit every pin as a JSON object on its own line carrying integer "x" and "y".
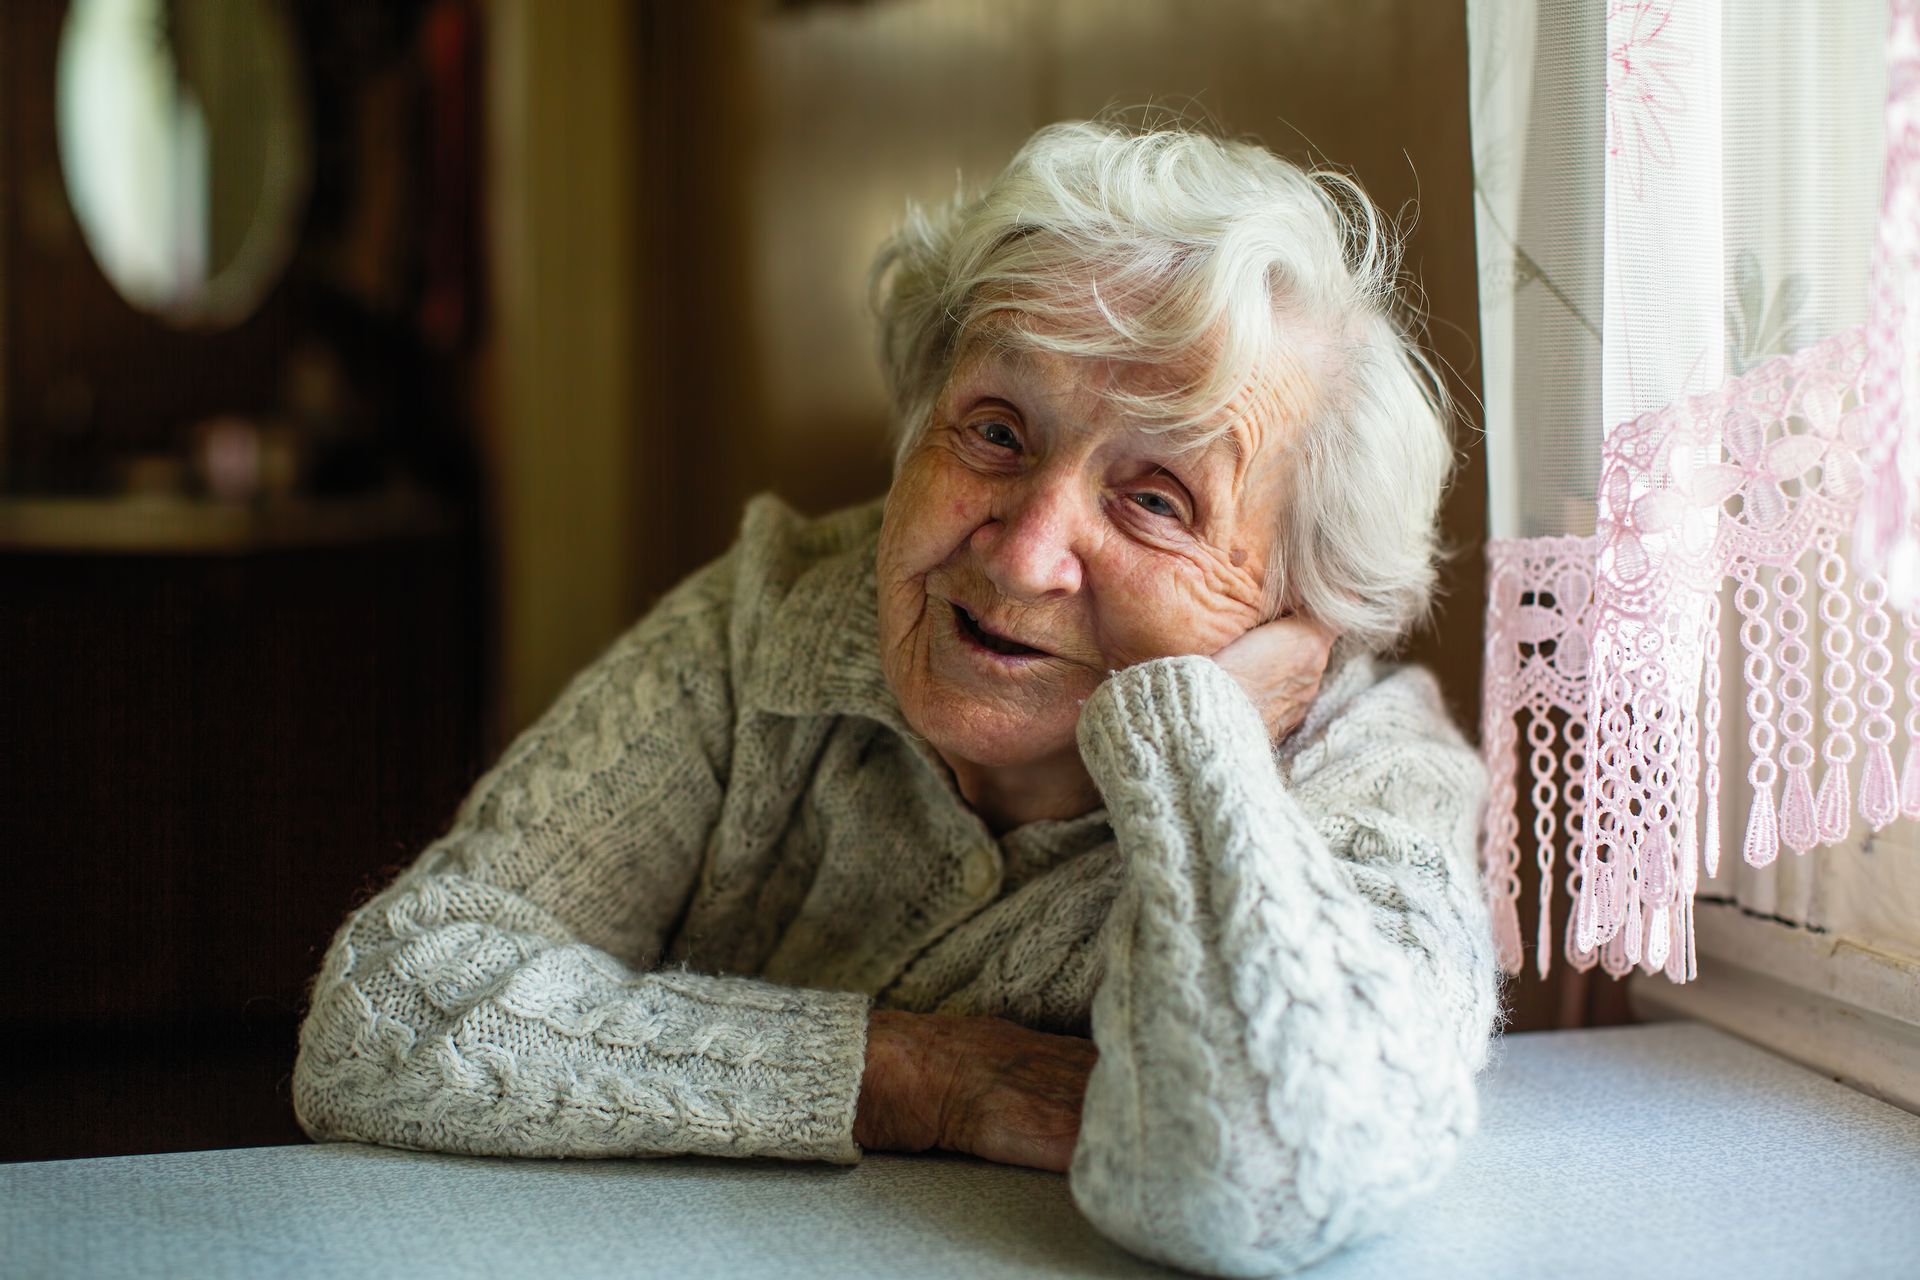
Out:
{"x": 1700, "y": 248}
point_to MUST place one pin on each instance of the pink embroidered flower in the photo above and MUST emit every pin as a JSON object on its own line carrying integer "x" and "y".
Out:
{"x": 1758, "y": 472}
{"x": 1643, "y": 91}
{"x": 1545, "y": 617}
{"x": 1762, "y": 505}
{"x": 1573, "y": 592}
{"x": 1627, "y": 520}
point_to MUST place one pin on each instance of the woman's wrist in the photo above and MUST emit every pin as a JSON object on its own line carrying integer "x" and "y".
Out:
{"x": 893, "y": 1111}
{"x": 973, "y": 1083}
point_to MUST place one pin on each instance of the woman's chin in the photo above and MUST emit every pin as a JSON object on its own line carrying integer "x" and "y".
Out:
{"x": 994, "y": 737}
{"x": 972, "y": 705}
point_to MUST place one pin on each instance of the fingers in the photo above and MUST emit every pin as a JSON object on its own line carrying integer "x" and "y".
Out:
{"x": 1008, "y": 1126}
{"x": 1014, "y": 1094}
{"x": 1039, "y": 1145}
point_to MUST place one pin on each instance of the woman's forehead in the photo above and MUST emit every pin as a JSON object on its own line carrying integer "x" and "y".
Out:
{"x": 1078, "y": 391}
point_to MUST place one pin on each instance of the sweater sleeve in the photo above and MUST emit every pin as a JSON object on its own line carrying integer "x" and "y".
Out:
{"x": 1299, "y": 982}
{"x": 501, "y": 997}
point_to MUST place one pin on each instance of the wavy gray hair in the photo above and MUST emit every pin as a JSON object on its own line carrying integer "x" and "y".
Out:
{"x": 1162, "y": 246}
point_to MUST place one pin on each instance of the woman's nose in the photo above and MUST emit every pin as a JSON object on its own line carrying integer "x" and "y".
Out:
{"x": 1030, "y": 550}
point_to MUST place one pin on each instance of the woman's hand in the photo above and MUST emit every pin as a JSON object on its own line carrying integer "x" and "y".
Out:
{"x": 985, "y": 1086}
{"x": 1279, "y": 664}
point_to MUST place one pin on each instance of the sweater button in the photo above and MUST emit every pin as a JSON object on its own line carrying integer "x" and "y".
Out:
{"x": 980, "y": 877}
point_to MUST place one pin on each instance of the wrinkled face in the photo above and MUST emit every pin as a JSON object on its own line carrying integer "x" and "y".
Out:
{"x": 1034, "y": 540}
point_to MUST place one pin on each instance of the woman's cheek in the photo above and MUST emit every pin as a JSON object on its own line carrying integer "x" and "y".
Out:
{"x": 908, "y": 549}
{"x": 1133, "y": 624}
{"x": 962, "y": 493}
{"x": 940, "y": 502}
{"x": 1158, "y": 614}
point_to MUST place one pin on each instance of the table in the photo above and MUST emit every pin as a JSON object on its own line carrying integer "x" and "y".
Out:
{"x": 1749, "y": 1167}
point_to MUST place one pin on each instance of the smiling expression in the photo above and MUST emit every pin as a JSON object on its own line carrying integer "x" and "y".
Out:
{"x": 1035, "y": 540}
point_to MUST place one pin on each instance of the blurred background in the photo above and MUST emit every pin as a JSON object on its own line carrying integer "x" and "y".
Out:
{"x": 367, "y": 365}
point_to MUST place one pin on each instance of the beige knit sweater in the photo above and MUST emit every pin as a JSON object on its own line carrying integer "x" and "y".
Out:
{"x": 658, "y": 924}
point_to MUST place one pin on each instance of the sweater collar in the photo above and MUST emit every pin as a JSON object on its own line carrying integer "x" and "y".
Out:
{"x": 827, "y": 628}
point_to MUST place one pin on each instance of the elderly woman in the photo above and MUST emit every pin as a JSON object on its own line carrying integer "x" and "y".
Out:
{"x": 858, "y": 836}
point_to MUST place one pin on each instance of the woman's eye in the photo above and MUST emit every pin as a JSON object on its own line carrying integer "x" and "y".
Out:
{"x": 998, "y": 434}
{"x": 1155, "y": 503}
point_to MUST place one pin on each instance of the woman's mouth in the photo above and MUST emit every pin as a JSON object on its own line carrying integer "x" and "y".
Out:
{"x": 971, "y": 631}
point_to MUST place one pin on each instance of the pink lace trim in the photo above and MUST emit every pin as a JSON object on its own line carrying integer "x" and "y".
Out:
{"x": 1603, "y": 654}
{"x": 1539, "y": 629}
{"x": 1888, "y": 515}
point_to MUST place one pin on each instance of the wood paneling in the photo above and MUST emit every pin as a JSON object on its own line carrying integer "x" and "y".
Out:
{"x": 783, "y": 142}
{"x": 859, "y": 108}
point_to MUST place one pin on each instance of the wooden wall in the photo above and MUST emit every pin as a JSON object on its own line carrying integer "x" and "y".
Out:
{"x": 822, "y": 120}
{"x": 777, "y": 143}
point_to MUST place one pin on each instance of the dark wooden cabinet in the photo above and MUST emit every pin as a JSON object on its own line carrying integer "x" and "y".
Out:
{"x": 205, "y": 760}
{"x": 221, "y": 724}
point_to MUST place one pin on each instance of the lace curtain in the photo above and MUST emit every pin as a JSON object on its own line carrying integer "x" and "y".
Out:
{"x": 1698, "y": 225}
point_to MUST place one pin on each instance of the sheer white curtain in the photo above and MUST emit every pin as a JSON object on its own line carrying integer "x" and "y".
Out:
{"x": 1700, "y": 326}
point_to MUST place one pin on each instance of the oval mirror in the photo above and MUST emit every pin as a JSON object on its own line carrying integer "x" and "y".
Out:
{"x": 184, "y": 146}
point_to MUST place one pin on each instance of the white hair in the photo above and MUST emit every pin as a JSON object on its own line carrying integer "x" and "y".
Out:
{"x": 1158, "y": 247}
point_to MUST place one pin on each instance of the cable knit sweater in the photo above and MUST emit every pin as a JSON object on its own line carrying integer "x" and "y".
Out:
{"x": 658, "y": 924}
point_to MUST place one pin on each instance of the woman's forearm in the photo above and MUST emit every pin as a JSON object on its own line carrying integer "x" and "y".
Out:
{"x": 448, "y": 1017}
{"x": 500, "y": 997}
{"x": 1294, "y": 1004}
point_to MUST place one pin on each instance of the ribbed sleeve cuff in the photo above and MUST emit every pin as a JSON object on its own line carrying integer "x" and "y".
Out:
{"x": 825, "y": 1087}
{"x": 774, "y": 1070}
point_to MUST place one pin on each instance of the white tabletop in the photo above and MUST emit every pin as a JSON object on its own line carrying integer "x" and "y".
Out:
{"x": 1747, "y": 1167}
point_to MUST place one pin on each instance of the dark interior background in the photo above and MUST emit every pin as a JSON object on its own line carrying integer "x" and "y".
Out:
{"x": 582, "y": 278}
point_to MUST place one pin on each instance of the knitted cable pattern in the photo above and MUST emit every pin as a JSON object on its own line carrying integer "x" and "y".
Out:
{"x": 478, "y": 1006}
{"x": 1300, "y": 981}
{"x": 657, "y": 925}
